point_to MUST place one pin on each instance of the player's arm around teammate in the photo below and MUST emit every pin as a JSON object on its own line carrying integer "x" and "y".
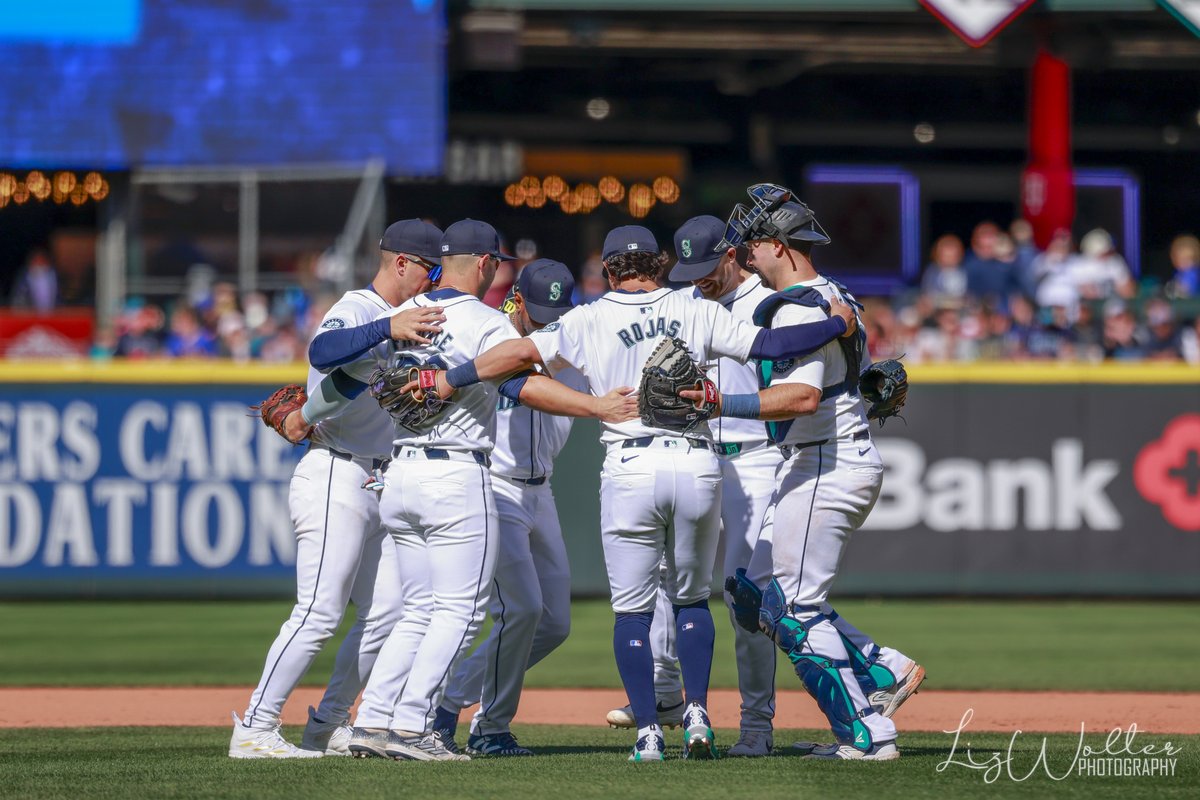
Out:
{"x": 341, "y": 547}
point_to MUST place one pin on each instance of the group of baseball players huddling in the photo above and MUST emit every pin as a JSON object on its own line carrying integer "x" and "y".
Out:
{"x": 433, "y": 424}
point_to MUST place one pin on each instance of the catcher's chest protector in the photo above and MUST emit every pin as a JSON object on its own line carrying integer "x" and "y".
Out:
{"x": 853, "y": 347}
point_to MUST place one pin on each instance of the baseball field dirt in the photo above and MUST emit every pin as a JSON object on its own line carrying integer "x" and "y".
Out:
{"x": 1061, "y": 712}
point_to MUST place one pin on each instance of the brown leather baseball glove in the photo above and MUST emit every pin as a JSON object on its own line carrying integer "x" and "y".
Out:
{"x": 275, "y": 409}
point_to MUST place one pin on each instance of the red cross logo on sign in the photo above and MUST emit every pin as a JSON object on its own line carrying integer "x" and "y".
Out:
{"x": 976, "y": 21}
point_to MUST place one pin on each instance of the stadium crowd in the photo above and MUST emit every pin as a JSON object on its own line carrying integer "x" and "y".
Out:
{"x": 996, "y": 297}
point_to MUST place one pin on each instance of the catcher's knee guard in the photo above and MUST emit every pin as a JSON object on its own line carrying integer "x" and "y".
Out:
{"x": 745, "y": 600}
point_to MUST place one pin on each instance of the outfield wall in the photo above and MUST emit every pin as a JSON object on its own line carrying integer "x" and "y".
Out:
{"x": 151, "y": 479}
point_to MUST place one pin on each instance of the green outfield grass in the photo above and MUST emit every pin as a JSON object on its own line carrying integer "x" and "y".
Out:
{"x": 576, "y": 763}
{"x": 1072, "y": 645}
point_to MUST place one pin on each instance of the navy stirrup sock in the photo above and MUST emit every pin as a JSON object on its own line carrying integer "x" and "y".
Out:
{"x": 694, "y": 635}
{"x": 635, "y": 663}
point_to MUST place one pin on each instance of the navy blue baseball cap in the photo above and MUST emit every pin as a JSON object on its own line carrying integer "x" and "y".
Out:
{"x": 628, "y": 239}
{"x": 698, "y": 248}
{"x": 546, "y": 286}
{"x": 472, "y": 237}
{"x": 414, "y": 236}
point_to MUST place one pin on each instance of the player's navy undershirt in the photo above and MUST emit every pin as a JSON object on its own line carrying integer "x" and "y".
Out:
{"x": 796, "y": 341}
{"x": 333, "y": 348}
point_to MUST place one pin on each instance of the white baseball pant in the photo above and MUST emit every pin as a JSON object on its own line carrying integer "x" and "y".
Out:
{"x": 825, "y": 492}
{"x": 341, "y": 549}
{"x": 442, "y": 515}
{"x": 530, "y": 608}
{"x": 747, "y": 486}
{"x": 659, "y": 502}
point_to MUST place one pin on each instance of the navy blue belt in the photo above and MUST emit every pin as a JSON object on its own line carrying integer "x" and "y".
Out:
{"x": 790, "y": 450}
{"x": 376, "y": 463}
{"x": 529, "y": 481}
{"x": 646, "y": 441}
{"x": 437, "y": 454}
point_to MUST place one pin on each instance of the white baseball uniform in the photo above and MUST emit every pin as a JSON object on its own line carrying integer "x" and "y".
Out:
{"x": 827, "y": 485}
{"x": 531, "y": 597}
{"x": 341, "y": 548}
{"x": 748, "y": 464}
{"x": 660, "y": 492}
{"x": 439, "y": 505}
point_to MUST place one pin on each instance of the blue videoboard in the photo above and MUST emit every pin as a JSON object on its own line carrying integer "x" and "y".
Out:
{"x": 115, "y": 84}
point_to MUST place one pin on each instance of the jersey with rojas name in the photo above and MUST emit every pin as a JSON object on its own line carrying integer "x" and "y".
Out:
{"x": 610, "y": 339}
{"x": 528, "y": 441}
{"x": 734, "y": 377}
{"x": 362, "y": 428}
{"x": 471, "y": 328}
{"x": 840, "y": 416}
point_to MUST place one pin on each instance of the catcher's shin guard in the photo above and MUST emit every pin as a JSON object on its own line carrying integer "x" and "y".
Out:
{"x": 820, "y": 674}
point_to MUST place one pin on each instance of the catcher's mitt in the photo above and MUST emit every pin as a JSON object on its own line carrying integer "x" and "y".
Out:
{"x": 668, "y": 371}
{"x": 275, "y": 409}
{"x": 408, "y": 411}
{"x": 885, "y": 386}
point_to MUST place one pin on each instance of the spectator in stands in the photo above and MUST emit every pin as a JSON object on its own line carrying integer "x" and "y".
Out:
{"x": 1053, "y": 337}
{"x": 1163, "y": 341}
{"x": 140, "y": 331}
{"x": 987, "y": 276}
{"x": 1087, "y": 334}
{"x": 1026, "y": 251}
{"x": 1100, "y": 272}
{"x": 188, "y": 338}
{"x": 592, "y": 282}
{"x": 1185, "y": 258}
{"x": 1053, "y": 272}
{"x": 1120, "y": 340}
{"x": 944, "y": 276}
{"x": 1190, "y": 342}
{"x": 36, "y": 287}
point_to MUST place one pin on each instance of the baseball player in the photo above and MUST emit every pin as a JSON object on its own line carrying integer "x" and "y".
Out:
{"x": 748, "y": 462}
{"x": 828, "y": 483}
{"x": 660, "y": 490}
{"x": 440, "y": 508}
{"x": 531, "y": 597}
{"x": 340, "y": 546}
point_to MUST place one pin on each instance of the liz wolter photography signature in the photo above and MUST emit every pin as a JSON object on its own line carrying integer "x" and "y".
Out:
{"x": 1119, "y": 756}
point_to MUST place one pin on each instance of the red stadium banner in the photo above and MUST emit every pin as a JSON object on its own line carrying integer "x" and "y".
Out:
{"x": 976, "y": 21}
{"x": 25, "y": 334}
{"x": 1047, "y": 187}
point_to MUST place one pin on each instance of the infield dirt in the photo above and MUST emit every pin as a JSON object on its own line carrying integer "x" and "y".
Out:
{"x": 1061, "y": 712}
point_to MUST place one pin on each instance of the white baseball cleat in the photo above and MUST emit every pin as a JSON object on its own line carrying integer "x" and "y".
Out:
{"x": 752, "y": 744}
{"x": 330, "y": 738}
{"x": 411, "y": 746}
{"x": 888, "y": 701}
{"x": 650, "y": 745}
{"x": 882, "y": 751}
{"x": 670, "y": 713}
{"x": 698, "y": 739}
{"x": 369, "y": 743}
{"x": 263, "y": 743}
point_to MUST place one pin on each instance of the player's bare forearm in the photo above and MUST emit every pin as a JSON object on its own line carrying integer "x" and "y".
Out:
{"x": 785, "y": 401}
{"x": 545, "y": 394}
{"x": 507, "y": 358}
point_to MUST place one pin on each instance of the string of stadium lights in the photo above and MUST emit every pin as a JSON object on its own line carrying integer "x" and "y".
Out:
{"x": 586, "y": 197}
{"x": 63, "y": 187}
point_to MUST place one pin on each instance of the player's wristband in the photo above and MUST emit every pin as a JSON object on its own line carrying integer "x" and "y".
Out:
{"x": 462, "y": 375}
{"x": 743, "y": 406}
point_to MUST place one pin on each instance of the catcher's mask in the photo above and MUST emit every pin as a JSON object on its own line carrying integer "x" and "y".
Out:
{"x": 775, "y": 214}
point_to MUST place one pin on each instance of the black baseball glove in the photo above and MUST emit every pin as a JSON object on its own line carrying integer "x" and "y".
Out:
{"x": 406, "y": 408}
{"x": 885, "y": 386}
{"x": 669, "y": 370}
